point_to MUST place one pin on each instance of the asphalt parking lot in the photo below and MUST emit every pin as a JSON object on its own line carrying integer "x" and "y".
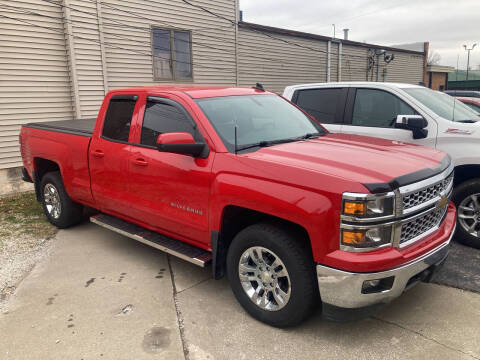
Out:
{"x": 100, "y": 295}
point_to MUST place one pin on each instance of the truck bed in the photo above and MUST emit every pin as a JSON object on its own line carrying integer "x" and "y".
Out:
{"x": 82, "y": 127}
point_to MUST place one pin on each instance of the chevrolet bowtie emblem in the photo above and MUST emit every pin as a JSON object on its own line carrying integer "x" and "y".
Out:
{"x": 442, "y": 202}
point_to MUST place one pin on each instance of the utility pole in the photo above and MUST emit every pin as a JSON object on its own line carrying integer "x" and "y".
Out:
{"x": 333, "y": 30}
{"x": 468, "y": 56}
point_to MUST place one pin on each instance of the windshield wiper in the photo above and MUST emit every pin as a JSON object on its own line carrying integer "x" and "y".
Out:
{"x": 312, "y": 135}
{"x": 266, "y": 143}
{"x": 467, "y": 121}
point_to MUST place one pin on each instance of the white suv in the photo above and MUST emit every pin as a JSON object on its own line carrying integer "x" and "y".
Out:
{"x": 407, "y": 113}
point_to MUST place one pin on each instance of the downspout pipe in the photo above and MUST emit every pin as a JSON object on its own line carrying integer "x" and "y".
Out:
{"x": 329, "y": 50}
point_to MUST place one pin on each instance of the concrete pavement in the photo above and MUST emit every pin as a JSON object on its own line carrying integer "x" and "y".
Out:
{"x": 103, "y": 296}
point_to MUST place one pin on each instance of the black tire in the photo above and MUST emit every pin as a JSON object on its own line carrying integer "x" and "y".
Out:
{"x": 70, "y": 211}
{"x": 297, "y": 257}
{"x": 461, "y": 192}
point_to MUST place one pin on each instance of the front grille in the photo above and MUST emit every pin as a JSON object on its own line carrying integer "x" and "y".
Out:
{"x": 428, "y": 193}
{"x": 422, "y": 224}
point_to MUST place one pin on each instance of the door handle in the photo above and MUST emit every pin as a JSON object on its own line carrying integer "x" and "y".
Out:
{"x": 140, "y": 162}
{"x": 98, "y": 154}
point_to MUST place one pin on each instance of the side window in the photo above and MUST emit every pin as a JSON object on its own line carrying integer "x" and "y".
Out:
{"x": 378, "y": 108}
{"x": 163, "y": 118}
{"x": 118, "y": 118}
{"x": 320, "y": 103}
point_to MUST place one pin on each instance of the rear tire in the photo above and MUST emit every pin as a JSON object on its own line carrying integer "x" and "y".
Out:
{"x": 59, "y": 208}
{"x": 466, "y": 197}
{"x": 281, "y": 289}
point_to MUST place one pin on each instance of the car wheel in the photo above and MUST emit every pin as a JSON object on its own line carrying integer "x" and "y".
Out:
{"x": 467, "y": 199}
{"x": 60, "y": 210}
{"x": 272, "y": 274}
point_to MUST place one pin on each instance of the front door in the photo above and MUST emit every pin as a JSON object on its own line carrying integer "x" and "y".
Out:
{"x": 372, "y": 112}
{"x": 171, "y": 190}
{"x": 109, "y": 156}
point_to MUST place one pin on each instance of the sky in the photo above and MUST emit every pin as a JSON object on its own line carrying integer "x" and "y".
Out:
{"x": 446, "y": 24}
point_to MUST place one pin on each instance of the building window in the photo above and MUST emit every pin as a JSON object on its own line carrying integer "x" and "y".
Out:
{"x": 172, "y": 54}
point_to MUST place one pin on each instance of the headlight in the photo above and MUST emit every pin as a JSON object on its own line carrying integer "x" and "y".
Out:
{"x": 365, "y": 237}
{"x": 361, "y": 214}
{"x": 368, "y": 205}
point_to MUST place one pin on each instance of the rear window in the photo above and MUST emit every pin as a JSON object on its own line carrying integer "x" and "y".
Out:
{"x": 118, "y": 118}
{"x": 322, "y": 104}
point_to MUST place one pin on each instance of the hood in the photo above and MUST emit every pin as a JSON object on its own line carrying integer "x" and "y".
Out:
{"x": 355, "y": 158}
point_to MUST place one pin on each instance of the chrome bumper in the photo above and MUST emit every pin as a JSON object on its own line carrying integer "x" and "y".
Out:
{"x": 344, "y": 289}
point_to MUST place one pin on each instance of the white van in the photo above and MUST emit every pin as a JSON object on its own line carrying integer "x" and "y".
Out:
{"x": 408, "y": 113}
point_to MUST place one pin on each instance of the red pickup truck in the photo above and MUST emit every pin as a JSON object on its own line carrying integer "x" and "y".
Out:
{"x": 244, "y": 180}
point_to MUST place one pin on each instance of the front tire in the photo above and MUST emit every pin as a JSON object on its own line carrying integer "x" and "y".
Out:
{"x": 467, "y": 199}
{"x": 59, "y": 208}
{"x": 272, "y": 275}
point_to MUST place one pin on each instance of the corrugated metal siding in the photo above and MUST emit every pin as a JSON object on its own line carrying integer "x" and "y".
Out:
{"x": 34, "y": 77}
{"x": 354, "y": 63}
{"x": 277, "y": 64}
{"x": 213, "y": 49}
{"x": 406, "y": 68}
{"x": 290, "y": 64}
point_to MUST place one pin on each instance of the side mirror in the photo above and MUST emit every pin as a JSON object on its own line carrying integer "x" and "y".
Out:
{"x": 180, "y": 143}
{"x": 416, "y": 123}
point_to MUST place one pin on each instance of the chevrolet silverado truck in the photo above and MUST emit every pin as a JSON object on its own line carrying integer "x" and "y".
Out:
{"x": 240, "y": 178}
{"x": 407, "y": 113}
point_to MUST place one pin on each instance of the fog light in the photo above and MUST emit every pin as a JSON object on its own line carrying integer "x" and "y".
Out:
{"x": 377, "y": 285}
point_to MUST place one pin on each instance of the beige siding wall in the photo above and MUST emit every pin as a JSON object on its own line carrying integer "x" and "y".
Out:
{"x": 82, "y": 21}
{"x": 287, "y": 64}
{"x": 277, "y": 64}
{"x": 34, "y": 77}
{"x": 406, "y": 68}
{"x": 213, "y": 39}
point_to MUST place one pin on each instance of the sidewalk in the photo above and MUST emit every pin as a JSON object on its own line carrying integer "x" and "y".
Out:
{"x": 102, "y": 296}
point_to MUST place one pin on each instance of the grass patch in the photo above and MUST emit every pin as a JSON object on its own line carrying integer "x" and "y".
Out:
{"x": 22, "y": 215}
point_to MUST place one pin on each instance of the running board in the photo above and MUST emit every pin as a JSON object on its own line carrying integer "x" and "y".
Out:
{"x": 174, "y": 247}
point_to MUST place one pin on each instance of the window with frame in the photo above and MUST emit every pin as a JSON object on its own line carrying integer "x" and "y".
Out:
{"x": 161, "y": 118}
{"x": 378, "y": 108}
{"x": 172, "y": 54}
{"x": 118, "y": 118}
{"x": 321, "y": 103}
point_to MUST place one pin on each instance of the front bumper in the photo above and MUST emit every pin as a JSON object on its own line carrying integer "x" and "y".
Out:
{"x": 343, "y": 290}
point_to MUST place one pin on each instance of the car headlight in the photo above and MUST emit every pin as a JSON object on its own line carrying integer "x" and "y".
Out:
{"x": 360, "y": 216}
{"x": 365, "y": 237}
{"x": 368, "y": 205}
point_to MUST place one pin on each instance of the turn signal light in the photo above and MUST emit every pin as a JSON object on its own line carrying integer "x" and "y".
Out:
{"x": 353, "y": 237}
{"x": 354, "y": 208}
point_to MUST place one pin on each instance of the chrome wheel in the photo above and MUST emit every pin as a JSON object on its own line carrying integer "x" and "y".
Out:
{"x": 264, "y": 278}
{"x": 469, "y": 214}
{"x": 52, "y": 201}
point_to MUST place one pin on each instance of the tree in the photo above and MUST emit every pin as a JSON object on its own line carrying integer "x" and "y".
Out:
{"x": 433, "y": 58}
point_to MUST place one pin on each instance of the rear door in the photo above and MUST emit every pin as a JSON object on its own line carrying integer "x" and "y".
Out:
{"x": 372, "y": 112}
{"x": 109, "y": 156}
{"x": 327, "y": 105}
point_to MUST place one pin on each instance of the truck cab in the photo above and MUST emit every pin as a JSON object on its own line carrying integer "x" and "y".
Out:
{"x": 411, "y": 114}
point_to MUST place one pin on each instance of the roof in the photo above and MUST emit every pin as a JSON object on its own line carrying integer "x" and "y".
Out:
{"x": 271, "y": 29}
{"x": 358, "y": 84}
{"x": 440, "y": 69}
{"x": 196, "y": 91}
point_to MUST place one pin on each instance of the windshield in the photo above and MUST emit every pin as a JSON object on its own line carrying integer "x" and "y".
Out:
{"x": 443, "y": 105}
{"x": 259, "y": 118}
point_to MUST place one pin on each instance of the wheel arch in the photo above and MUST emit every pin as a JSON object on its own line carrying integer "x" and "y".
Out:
{"x": 41, "y": 167}
{"x": 236, "y": 218}
{"x": 466, "y": 172}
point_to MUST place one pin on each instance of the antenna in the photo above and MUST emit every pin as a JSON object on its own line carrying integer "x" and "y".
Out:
{"x": 235, "y": 140}
{"x": 258, "y": 86}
